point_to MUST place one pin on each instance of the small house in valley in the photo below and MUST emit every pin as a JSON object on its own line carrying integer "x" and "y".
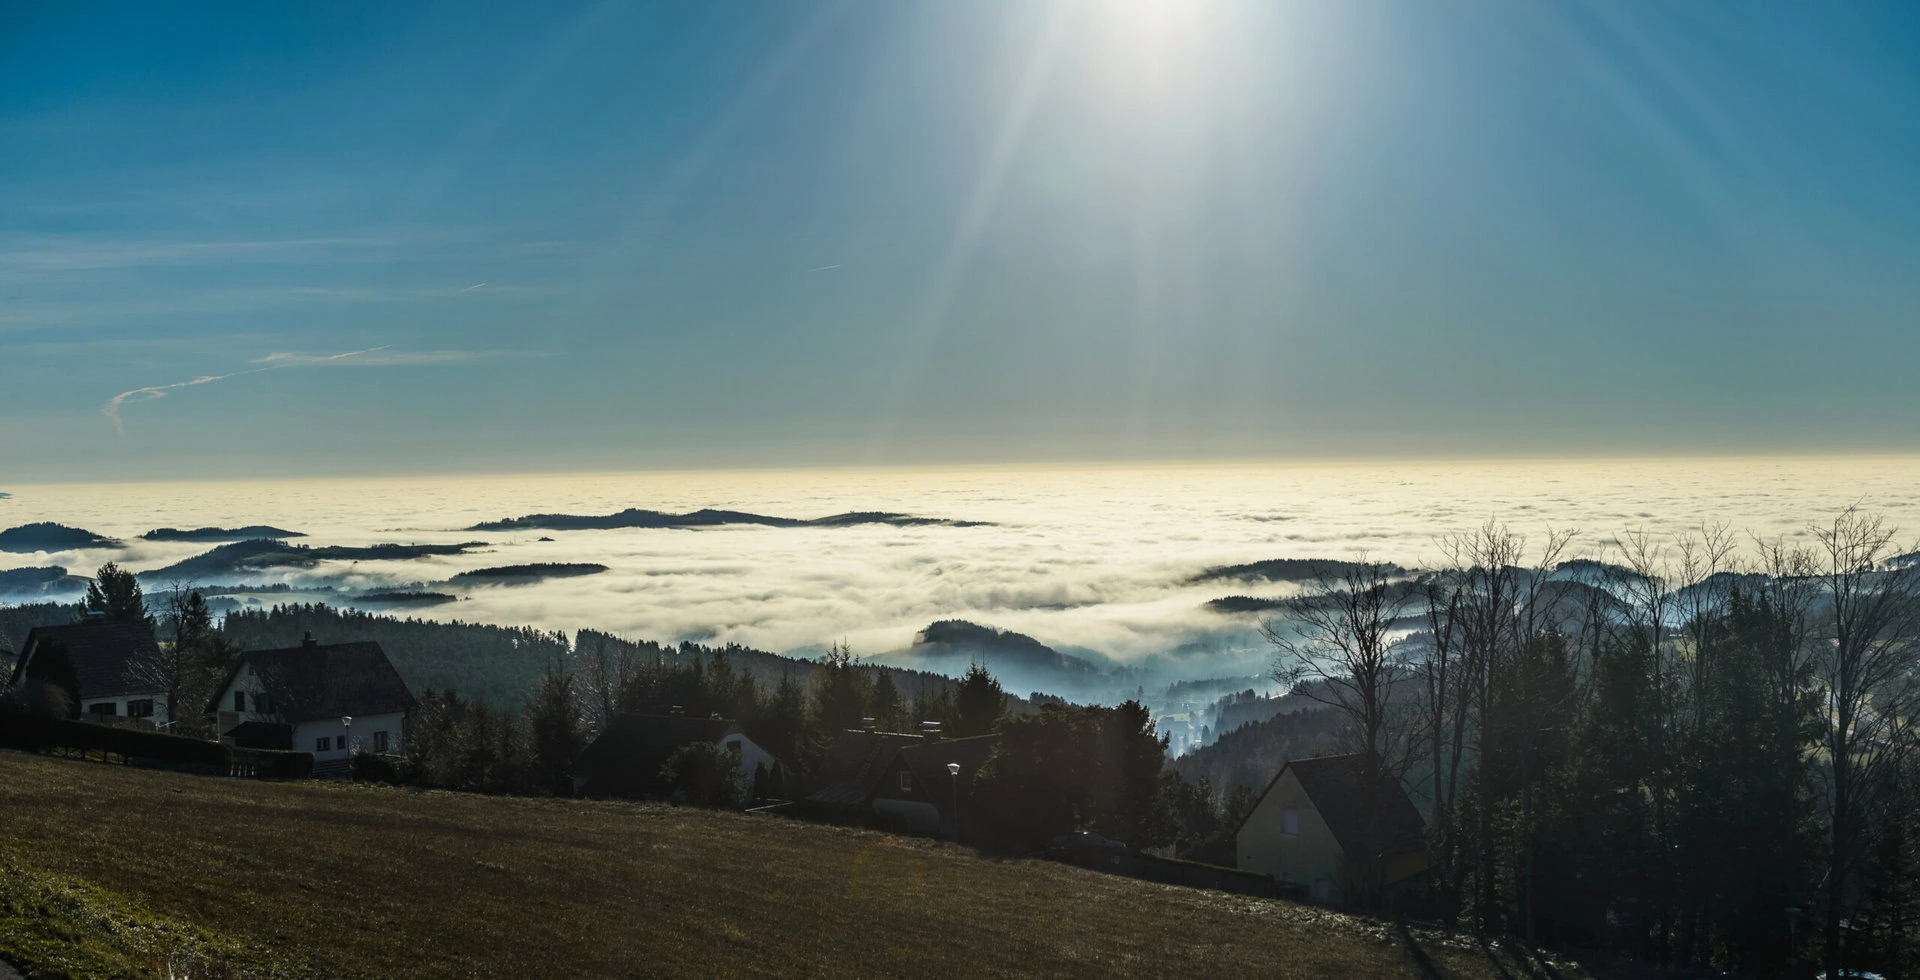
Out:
{"x": 920, "y": 783}
{"x": 625, "y": 760}
{"x": 107, "y": 669}
{"x": 331, "y": 699}
{"x": 1317, "y": 823}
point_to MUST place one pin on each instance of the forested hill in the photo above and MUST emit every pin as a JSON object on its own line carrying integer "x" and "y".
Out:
{"x": 495, "y": 664}
{"x": 767, "y": 669}
{"x": 17, "y": 621}
{"x": 1253, "y": 754}
{"x": 500, "y": 665}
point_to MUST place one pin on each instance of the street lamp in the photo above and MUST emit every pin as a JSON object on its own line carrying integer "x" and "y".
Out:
{"x": 346, "y": 741}
{"x": 953, "y": 774}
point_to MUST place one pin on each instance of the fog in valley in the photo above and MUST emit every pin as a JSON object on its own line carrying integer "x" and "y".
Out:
{"x": 1108, "y": 565}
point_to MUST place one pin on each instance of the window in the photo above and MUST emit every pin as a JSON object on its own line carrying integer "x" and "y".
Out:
{"x": 239, "y": 700}
{"x": 265, "y": 703}
{"x": 104, "y": 708}
{"x": 1290, "y": 822}
{"x": 140, "y": 709}
{"x": 1321, "y": 890}
{"x": 323, "y": 744}
{"x": 906, "y": 781}
{"x": 380, "y": 742}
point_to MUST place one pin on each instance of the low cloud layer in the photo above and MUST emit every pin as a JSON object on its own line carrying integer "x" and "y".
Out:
{"x": 1093, "y": 559}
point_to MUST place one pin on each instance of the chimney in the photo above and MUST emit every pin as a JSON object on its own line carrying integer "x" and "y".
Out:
{"x": 307, "y": 642}
{"x": 866, "y": 724}
{"x": 676, "y": 711}
{"x": 930, "y": 729}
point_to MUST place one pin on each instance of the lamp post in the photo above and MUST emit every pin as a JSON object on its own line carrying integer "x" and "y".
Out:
{"x": 1793, "y": 919}
{"x": 346, "y": 741}
{"x": 953, "y": 775}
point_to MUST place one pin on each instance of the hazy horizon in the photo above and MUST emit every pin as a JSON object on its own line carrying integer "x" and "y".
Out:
{"x": 1094, "y": 560}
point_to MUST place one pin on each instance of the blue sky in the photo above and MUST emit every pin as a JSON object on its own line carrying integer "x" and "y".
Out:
{"x": 606, "y": 236}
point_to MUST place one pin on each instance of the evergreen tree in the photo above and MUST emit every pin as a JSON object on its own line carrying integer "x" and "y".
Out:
{"x": 558, "y": 727}
{"x": 782, "y": 724}
{"x": 115, "y": 594}
{"x": 1078, "y": 768}
{"x": 840, "y": 693}
{"x": 979, "y": 702}
{"x": 889, "y": 715}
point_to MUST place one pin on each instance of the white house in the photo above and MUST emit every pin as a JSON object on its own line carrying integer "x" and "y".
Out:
{"x": 626, "y": 759}
{"x": 110, "y": 669}
{"x": 328, "y": 699}
{"x": 1313, "y": 825}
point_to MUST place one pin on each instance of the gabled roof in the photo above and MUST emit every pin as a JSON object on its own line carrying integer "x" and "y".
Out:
{"x": 1336, "y": 784}
{"x": 854, "y": 765}
{"x": 109, "y": 658}
{"x": 315, "y": 681}
{"x": 928, "y": 759}
{"x": 637, "y": 740}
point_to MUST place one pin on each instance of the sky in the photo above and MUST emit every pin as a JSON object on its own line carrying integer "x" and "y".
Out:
{"x": 272, "y": 240}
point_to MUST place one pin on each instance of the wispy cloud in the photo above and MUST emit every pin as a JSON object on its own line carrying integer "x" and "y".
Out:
{"x": 50, "y": 254}
{"x": 382, "y": 356}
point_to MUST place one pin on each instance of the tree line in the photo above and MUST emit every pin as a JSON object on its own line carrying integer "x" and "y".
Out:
{"x": 1700, "y": 751}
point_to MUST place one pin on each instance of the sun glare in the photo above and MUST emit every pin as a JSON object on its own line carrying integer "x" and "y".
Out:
{"x": 1158, "y": 46}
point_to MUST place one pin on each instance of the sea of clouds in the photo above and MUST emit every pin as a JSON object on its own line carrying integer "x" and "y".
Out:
{"x": 1092, "y": 560}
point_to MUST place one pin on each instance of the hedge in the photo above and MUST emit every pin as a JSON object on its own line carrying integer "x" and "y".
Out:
{"x": 142, "y": 747}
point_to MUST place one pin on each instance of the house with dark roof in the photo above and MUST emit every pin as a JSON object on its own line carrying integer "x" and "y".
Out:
{"x": 922, "y": 784}
{"x": 1317, "y": 824}
{"x": 108, "y": 669}
{"x": 331, "y": 699}
{"x": 625, "y": 760}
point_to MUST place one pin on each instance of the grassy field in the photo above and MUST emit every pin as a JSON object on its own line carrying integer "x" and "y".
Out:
{"x": 108, "y": 871}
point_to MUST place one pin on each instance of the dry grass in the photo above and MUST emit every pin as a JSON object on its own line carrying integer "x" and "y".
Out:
{"x": 112, "y": 871}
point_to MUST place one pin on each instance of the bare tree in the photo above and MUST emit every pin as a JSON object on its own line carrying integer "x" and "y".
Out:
{"x": 1497, "y": 606}
{"x": 1338, "y": 647}
{"x": 1865, "y": 665}
{"x": 603, "y": 675}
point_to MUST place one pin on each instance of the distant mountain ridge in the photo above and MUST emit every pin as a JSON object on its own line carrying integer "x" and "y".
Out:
{"x": 50, "y": 580}
{"x": 249, "y": 533}
{"x": 48, "y": 536}
{"x": 1021, "y": 662}
{"x": 511, "y": 574}
{"x": 634, "y": 517}
{"x": 1283, "y": 570}
{"x": 244, "y": 556}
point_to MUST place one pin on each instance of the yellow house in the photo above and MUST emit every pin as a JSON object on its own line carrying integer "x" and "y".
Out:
{"x": 1310, "y": 829}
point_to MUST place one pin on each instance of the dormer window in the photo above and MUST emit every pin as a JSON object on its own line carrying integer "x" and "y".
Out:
{"x": 906, "y": 781}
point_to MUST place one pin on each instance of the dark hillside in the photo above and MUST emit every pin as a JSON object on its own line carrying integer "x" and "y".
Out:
{"x": 495, "y": 664}
{"x": 1251, "y": 756}
{"x": 107, "y": 871}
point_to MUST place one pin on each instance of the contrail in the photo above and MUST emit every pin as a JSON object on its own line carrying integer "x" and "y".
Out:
{"x": 272, "y": 362}
{"x": 473, "y": 287}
